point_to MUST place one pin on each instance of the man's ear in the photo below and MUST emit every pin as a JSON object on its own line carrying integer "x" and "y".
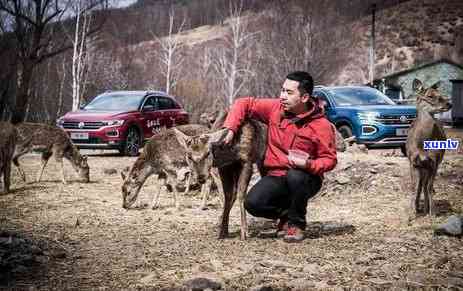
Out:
{"x": 306, "y": 97}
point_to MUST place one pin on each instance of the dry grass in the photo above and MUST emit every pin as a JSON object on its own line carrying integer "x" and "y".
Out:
{"x": 91, "y": 242}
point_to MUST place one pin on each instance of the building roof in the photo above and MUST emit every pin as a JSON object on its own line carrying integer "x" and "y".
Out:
{"x": 425, "y": 65}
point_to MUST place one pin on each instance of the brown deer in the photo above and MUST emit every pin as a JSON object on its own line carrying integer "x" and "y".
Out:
{"x": 424, "y": 163}
{"x": 51, "y": 140}
{"x": 235, "y": 164}
{"x": 162, "y": 156}
{"x": 8, "y": 139}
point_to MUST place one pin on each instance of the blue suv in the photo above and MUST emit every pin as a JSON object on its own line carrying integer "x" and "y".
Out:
{"x": 369, "y": 115}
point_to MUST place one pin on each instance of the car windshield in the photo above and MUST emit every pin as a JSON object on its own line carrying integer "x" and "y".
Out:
{"x": 359, "y": 96}
{"x": 115, "y": 102}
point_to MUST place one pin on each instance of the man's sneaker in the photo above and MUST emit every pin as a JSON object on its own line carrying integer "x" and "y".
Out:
{"x": 282, "y": 227}
{"x": 294, "y": 234}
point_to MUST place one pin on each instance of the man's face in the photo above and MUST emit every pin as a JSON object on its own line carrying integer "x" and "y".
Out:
{"x": 291, "y": 98}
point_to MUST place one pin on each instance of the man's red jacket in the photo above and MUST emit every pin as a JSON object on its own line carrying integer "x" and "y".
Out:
{"x": 310, "y": 132}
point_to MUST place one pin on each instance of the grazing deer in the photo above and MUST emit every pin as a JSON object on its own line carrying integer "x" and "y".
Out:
{"x": 51, "y": 140}
{"x": 424, "y": 163}
{"x": 8, "y": 138}
{"x": 235, "y": 163}
{"x": 162, "y": 156}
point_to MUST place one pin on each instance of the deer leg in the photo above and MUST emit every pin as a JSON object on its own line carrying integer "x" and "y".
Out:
{"x": 205, "y": 192}
{"x": 227, "y": 175}
{"x": 415, "y": 197}
{"x": 243, "y": 183}
{"x": 157, "y": 194}
{"x": 218, "y": 182}
{"x": 429, "y": 187}
{"x": 18, "y": 166}
{"x": 44, "y": 160}
{"x": 6, "y": 176}
{"x": 188, "y": 183}
{"x": 20, "y": 170}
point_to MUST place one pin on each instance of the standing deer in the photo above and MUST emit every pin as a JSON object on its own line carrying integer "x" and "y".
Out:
{"x": 51, "y": 140}
{"x": 162, "y": 156}
{"x": 424, "y": 163}
{"x": 235, "y": 164}
{"x": 8, "y": 138}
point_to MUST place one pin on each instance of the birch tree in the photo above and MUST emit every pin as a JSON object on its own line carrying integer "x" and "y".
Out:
{"x": 170, "y": 56}
{"x": 80, "y": 57}
{"x": 232, "y": 61}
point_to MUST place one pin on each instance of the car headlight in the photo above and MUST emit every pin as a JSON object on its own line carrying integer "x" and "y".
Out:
{"x": 60, "y": 122}
{"x": 368, "y": 116}
{"x": 118, "y": 122}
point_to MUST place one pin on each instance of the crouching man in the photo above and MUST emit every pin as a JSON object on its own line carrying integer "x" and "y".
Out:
{"x": 300, "y": 148}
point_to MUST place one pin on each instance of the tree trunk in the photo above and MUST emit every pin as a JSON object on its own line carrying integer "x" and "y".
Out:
{"x": 22, "y": 95}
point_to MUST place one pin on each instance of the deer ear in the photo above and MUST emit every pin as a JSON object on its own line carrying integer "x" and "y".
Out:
{"x": 181, "y": 138}
{"x": 436, "y": 85}
{"x": 417, "y": 85}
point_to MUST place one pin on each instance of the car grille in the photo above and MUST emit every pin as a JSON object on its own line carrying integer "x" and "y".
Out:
{"x": 395, "y": 119}
{"x": 86, "y": 125}
{"x": 91, "y": 140}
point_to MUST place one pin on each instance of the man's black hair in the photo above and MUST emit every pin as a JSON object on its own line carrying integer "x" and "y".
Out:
{"x": 305, "y": 81}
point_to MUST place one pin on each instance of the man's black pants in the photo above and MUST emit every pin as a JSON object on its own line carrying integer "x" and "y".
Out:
{"x": 283, "y": 197}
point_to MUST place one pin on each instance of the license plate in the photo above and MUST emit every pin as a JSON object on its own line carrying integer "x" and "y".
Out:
{"x": 79, "y": 135}
{"x": 401, "y": 131}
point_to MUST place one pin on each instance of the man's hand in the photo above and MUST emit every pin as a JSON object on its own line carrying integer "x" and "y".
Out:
{"x": 229, "y": 137}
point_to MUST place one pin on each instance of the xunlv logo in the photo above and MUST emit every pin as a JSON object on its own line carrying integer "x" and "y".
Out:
{"x": 448, "y": 144}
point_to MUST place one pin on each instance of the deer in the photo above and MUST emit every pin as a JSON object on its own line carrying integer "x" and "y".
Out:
{"x": 8, "y": 139}
{"x": 51, "y": 141}
{"x": 234, "y": 163}
{"x": 165, "y": 157}
{"x": 424, "y": 163}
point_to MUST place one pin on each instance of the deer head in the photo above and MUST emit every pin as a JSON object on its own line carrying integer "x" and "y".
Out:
{"x": 197, "y": 149}
{"x": 133, "y": 180}
{"x": 430, "y": 99}
{"x": 83, "y": 169}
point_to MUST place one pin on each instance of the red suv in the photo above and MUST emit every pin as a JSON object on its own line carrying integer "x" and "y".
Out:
{"x": 122, "y": 120}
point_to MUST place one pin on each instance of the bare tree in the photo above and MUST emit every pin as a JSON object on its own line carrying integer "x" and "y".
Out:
{"x": 31, "y": 23}
{"x": 80, "y": 57}
{"x": 34, "y": 24}
{"x": 232, "y": 61}
{"x": 169, "y": 54}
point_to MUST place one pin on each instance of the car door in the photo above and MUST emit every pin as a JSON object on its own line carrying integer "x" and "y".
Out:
{"x": 329, "y": 110}
{"x": 151, "y": 122}
{"x": 167, "y": 110}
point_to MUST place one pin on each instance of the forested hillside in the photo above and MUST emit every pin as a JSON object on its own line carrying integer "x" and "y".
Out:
{"x": 223, "y": 49}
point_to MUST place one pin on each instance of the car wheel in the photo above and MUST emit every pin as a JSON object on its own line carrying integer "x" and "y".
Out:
{"x": 132, "y": 143}
{"x": 403, "y": 149}
{"x": 345, "y": 131}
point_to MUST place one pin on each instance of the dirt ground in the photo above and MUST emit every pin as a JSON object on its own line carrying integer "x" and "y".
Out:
{"x": 77, "y": 236}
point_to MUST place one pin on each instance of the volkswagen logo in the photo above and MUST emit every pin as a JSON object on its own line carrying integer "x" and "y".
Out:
{"x": 403, "y": 119}
{"x": 81, "y": 125}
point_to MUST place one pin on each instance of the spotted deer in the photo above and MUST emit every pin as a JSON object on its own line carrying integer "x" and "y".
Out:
{"x": 424, "y": 163}
{"x": 50, "y": 140}
{"x": 8, "y": 139}
{"x": 234, "y": 163}
{"x": 162, "y": 156}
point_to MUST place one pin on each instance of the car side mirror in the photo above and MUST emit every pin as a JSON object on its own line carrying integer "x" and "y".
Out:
{"x": 148, "y": 108}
